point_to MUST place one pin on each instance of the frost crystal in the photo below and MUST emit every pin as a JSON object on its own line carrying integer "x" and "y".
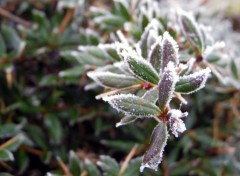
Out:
{"x": 176, "y": 123}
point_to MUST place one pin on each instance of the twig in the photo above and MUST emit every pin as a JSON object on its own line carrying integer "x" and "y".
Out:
{"x": 9, "y": 142}
{"x": 33, "y": 151}
{"x": 6, "y": 166}
{"x": 65, "y": 21}
{"x": 64, "y": 167}
{"x": 179, "y": 96}
{"x": 215, "y": 72}
{"x": 137, "y": 86}
{"x": 15, "y": 18}
{"x": 127, "y": 160}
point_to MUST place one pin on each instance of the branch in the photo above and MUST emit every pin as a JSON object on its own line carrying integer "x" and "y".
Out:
{"x": 15, "y": 18}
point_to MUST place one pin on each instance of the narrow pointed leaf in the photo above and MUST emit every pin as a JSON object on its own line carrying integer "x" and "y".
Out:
{"x": 234, "y": 69}
{"x": 153, "y": 156}
{"x": 109, "y": 165}
{"x": 6, "y": 155}
{"x": 169, "y": 51}
{"x": 188, "y": 67}
{"x": 126, "y": 120}
{"x": 191, "y": 30}
{"x": 155, "y": 55}
{"x": 166, "y": 86}
{"x": 112, "y": 80}
{"x": 193, "y": 82}
{"x": 152, "y": 38}
{"x": 132, "y": 105}
{"x": 143, "y": 43}
{"x": 2, "y": 46}
{"x": 111, "y": 50}
{"x": 151, "y": 95}
{"x": 123, "y": 9}
{"x": 74, "y": 164}
{"x": 141, "y": 68}
{"x": 91, "y": 169}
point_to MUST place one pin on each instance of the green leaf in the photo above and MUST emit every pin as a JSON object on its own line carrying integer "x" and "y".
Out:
{"x": 133, "y": 167}
{"x": 112, "y": 80}
{"x": 126, "y": 120}
{"x": 54, "y": 127}
{"x": 123, "y": 9}
{"x": 22, "y": 160}
{"x": 92, "y": 170}
{"x": 87, "y": 59}
{"x": 141, "y": 68}
{"x": 148, "y": 37}
{"x": 119, "y": 145}
{"x": 111, "y": 50}
{"x": 12, "y": 41}
{"x": 74, "y": 164}
{"x": 6, "y": 155}
{"x": 155, "y": 56}
{"x": 193, "y": 82}
{"x": 151, "y": 95}
{"x": 234, "y": 69}
{"x": 8, "y": 130}
{"x": 166, "y": 86}
{"x": 191, "y": 30}
{"x": 109, "y": 21}
{"x": 16, "y": 144}
{"x": 2, "y": 47}
{"x": 109, "y": 165}
{"x": 132, "y": 105}
{"x": 97, "y": 52}
{"x": 75, "y": 71}
{"x": 37, "y": 136}
{"x": 153, "y": 156}
{"x": 169, "y": 51}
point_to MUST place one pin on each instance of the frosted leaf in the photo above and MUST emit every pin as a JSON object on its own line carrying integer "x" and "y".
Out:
{"x": 109, "y": 165}
{"x": 188, "y": 67}
{"x": 193, "y": 82}
{"x": 111, "y": 50}
{"x": 140, "y": 68}
{"x": 132, "y": 105}
{"x": 155, "y": 54}
{"x": 143, "y": 43}
{"x": 166, "y": 86}
{"x": 153, "y": 156}
{"x": 151, "y": 95}
{"x": 191, "y": 30}
{"x": 176, "y": 123}
{"x": 112, "y": 80}
{"x": 126, "y": 120}
{"x": 152, "y": 38}
{"x": 169, "y": 51}
{"x": 123, "y": 66}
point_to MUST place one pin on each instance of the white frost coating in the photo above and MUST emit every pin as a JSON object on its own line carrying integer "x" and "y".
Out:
{"x": 176, "y": 123}
{"x": 121, "y": 37}
{"x": 203, "y": 74}
{"x": 128, "y": 54}
{"x": 170, "y": 75}
{"x": 156, "y": 160}
{"x": 210, "y": 49}
{"x": 123, "y": 67}
{"x": 96, "y": 75}
{"x": 115, "y": 102}
{"x": 152, "y": 37}
{"x": 168, "y": 37}
{"x": 187, "y": 68}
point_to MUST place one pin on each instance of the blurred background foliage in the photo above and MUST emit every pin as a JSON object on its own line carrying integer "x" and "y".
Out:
{"x": 50, "y": 125}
